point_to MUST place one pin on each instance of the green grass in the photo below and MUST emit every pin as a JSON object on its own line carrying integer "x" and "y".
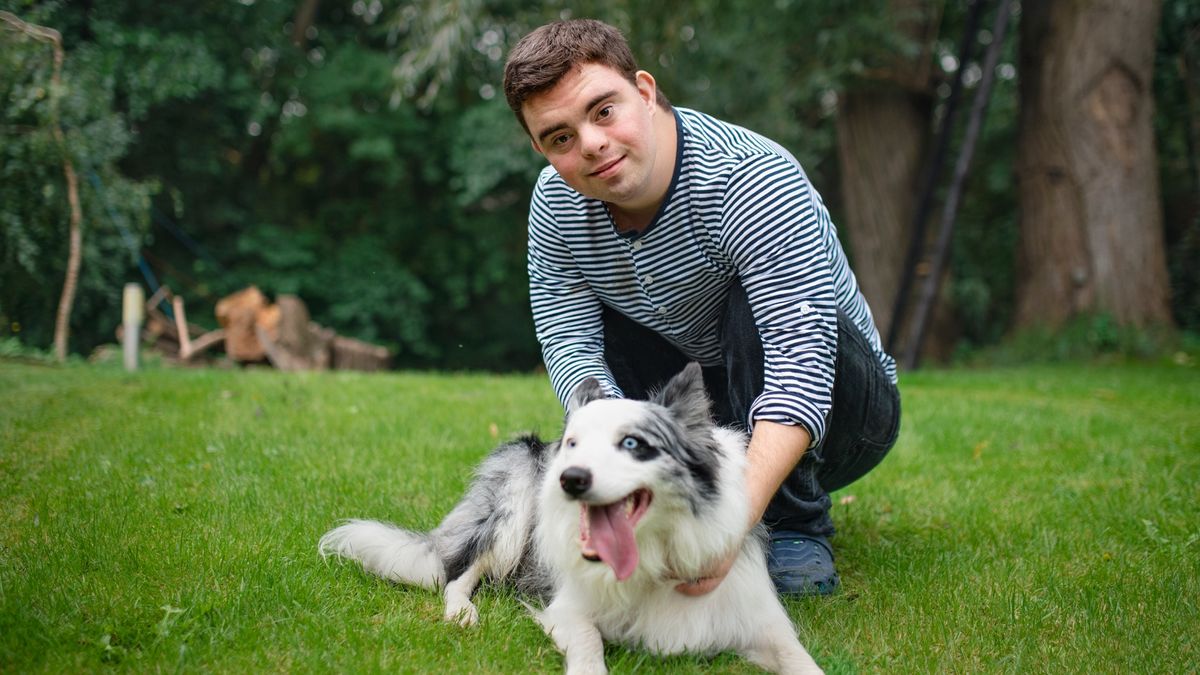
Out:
{"x": 1042, "y": 519}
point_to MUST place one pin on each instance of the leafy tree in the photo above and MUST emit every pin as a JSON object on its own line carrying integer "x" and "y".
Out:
{"x": 34, "y": 209}
{"x": 1177, "y": 131}
{"x": 360, "y": 154}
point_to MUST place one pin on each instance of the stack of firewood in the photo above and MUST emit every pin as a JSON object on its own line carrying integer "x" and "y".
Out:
{"x": 253, "y": 330}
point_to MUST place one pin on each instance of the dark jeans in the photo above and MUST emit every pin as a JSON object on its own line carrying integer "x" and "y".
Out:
{"x": 860, "y": 428}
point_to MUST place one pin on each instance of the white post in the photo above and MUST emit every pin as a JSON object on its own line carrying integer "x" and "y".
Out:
{"x": 132, "y": 310}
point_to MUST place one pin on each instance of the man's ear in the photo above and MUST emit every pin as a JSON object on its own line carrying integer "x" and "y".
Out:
{"x": 647, "y": 87}
{"x": 587, "y": 391}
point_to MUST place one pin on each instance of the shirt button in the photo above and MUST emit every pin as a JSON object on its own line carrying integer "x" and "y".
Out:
{"x": 637, "y": 245}
{"x": 649, "y": 279}
{"x": 662, "y": 311}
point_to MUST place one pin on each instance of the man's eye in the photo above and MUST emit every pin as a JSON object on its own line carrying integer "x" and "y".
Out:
{"x": 606, "y": 111}
{"x": 561, "y": 140}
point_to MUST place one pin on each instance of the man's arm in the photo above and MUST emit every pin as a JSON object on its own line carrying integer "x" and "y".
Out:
{"x": 566, "y": 313}
{"x": 775, "y": 449}
{"x": 773, "y": 236}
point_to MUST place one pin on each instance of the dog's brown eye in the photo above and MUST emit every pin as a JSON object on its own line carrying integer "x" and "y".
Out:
{"x": 570, "y": 442}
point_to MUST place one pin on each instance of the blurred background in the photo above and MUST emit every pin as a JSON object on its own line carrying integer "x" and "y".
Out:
{"x": 360, "y": 155}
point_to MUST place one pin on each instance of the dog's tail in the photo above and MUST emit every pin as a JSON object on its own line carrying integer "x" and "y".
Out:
{"x": 485, "y": 534}
{"x": 387, "y": 551}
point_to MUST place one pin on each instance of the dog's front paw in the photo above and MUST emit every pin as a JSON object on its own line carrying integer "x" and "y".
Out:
{"x": 462, "y": 613}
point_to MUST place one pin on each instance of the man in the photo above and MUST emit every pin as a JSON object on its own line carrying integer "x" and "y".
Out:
{"x": 659, "y": 235}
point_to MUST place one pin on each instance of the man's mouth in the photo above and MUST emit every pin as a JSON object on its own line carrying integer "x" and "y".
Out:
{"x": 608, "y": 169}
{"x": 606, "y": 531}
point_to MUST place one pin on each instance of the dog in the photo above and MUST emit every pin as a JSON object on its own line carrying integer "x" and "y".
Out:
{"x": 601, "y": 526}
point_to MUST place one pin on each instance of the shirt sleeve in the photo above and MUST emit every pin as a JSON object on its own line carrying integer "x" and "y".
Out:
{"x": 772, "y": 232}
{"x": 567, "y": 315}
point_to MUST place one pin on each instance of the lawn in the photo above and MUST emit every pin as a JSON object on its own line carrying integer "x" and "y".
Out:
{"x": 1043, "y": 519}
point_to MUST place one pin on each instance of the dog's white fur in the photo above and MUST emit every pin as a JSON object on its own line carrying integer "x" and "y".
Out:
{"x": 678, "y": 538}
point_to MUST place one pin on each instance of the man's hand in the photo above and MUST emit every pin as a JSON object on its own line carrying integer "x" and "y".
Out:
{"x": 712, "y": 577}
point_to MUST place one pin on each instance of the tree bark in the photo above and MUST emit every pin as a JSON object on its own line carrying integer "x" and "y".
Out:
{"x": 883, "y": 136}
{"x": 1091, "y": 216}
{"x": 306, "y": 12}
{"x": 881, "y": 139}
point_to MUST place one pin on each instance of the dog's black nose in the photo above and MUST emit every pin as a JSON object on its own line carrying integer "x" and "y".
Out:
{"x": 575, "y": 480}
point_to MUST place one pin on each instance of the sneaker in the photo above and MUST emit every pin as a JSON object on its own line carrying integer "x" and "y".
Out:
{"x": 801, "y": 564}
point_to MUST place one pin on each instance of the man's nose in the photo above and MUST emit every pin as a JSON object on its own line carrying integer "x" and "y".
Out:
{"x": 592, "y": 140}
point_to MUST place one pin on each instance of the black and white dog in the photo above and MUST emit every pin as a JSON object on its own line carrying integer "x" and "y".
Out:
{"x": 601, "y": 526}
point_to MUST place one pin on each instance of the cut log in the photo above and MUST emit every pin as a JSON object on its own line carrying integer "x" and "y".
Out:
{"x": 238, "y": 315}
{"x": 253, "y": 330}
{"x": 351, "y": 354}
{"x": 300, "y": 336}
{"x": 296, "y": 343}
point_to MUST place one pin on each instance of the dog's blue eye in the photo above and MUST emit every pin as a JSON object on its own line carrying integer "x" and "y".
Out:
{"x": 630, "y": 443}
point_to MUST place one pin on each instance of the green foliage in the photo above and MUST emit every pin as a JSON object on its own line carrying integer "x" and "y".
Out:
{"x": 357, "y": 288}
{"x": 12, "y": 348}
{"x": 374, "y": 169}
{"x": 1185, "y": 278}
{"x": 490, "y": 158}
{"x": 34, "y": 211}
{"x": 983, "y": 257}
{"x": 1092, "y": 338}
{"x": 155, "y": 67}
{"x": 1177, "y": 131}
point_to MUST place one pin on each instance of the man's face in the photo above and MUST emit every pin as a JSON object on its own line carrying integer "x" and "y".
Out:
{"x": 596, "y": 128}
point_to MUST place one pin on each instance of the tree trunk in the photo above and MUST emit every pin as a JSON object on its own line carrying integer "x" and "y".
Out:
{"x": 881, "y": 140}
{"x": 1091, "y": 217}
{"x": 62, "y": 323}
{"x": 883, "y": 134}
{"x": 306, "y": 13}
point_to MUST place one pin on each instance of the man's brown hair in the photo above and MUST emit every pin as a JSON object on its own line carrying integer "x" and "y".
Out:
{"x": 541, "y": 58}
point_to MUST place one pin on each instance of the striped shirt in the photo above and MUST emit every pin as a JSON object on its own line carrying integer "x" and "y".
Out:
{"x": 739, "y": 206}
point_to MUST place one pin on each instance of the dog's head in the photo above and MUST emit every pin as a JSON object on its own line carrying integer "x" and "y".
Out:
{"x": 623, "y": 461}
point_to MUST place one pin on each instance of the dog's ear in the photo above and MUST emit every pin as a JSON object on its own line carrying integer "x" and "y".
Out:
{"x": 685, "y": 397}
{"x": 585, "y": 392}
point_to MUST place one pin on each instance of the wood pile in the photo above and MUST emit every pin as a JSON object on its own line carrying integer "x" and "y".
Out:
{"x": 253, "y": 330}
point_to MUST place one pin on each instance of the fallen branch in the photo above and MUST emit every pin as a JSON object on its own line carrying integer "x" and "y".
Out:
{"x": 188, "y": 348}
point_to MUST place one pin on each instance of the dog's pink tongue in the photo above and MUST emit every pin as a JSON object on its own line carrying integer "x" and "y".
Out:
{"x": 612, "y": 536}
